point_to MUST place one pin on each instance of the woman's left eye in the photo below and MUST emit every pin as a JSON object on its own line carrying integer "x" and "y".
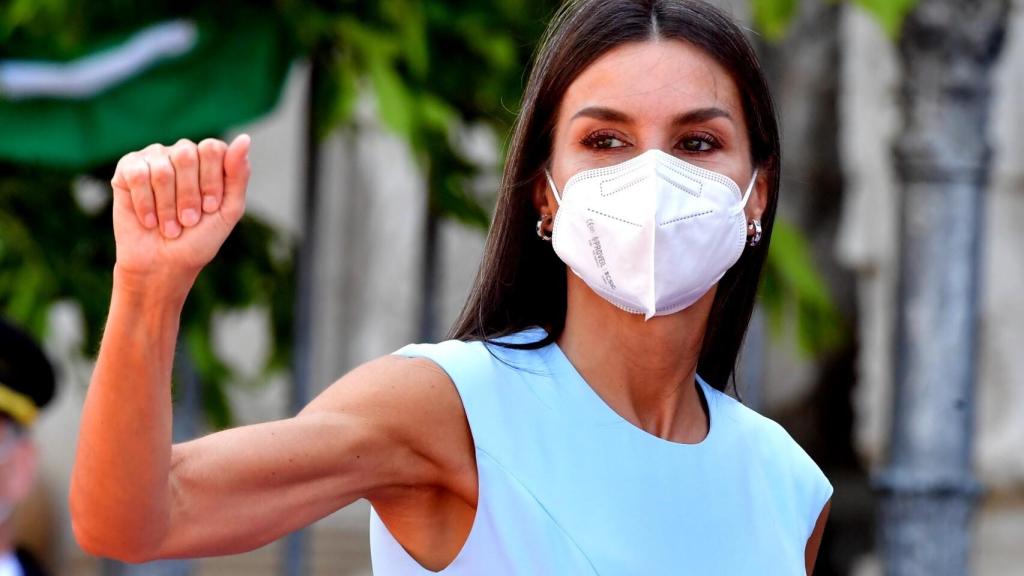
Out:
{"x": 701, "y": 143}
{"x": 603, "y": 141}
{"x": 609, "y": 142}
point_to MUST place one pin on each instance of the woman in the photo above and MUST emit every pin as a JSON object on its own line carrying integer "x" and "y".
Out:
{"x": 565, "y": 429}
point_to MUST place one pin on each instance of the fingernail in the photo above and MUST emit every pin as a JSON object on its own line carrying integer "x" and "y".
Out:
{"x": 189, "y": 217}
{"x": 149, "y": 221}
{"x": 171, "y": 229}
{"x": 209, "y": 204}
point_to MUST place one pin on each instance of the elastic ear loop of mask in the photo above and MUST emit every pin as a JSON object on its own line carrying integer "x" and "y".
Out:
{"x": 554, "y": 189}
{"x": 746, "y": 195}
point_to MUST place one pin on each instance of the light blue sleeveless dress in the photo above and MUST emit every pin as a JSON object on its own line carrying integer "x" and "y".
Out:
{"x": 569, "y": 487}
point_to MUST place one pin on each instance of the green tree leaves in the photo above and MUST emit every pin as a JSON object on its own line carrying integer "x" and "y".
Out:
{"x": 888, "y": 13}
{"x": 792, "y": 288}
{"x": 773, "y": 17}
{"x": 52, "y": 248}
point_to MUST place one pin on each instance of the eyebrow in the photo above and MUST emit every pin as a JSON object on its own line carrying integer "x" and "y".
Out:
{"x": 691, "y": 117}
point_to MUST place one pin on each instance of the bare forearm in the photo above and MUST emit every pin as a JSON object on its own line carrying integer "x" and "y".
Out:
{"x": 119, "y": 491}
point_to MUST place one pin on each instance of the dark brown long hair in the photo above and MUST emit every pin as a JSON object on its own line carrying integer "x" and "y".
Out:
{"x": 522, "y": 282}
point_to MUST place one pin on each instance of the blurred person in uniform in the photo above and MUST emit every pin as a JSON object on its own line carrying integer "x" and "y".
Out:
{"x": 26, "y": 385}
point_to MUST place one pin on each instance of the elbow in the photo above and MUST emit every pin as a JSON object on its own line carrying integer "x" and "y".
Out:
{"x": 101, "y": 540}
{"x": 98, "y": 545}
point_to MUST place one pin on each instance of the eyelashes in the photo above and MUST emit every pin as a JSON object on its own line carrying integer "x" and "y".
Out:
{"x": 706, "y": 142}
{"x": 693, "y": 143}
{"x": 602, "y": 140}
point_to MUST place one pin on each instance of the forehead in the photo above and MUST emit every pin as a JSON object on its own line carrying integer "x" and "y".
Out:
{"x": 652, "y": 80}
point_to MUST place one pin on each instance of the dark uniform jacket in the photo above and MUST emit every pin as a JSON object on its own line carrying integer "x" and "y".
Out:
{"x": 29, "y": 566}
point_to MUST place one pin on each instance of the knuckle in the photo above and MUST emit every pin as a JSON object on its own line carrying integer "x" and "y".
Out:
{"x": 212, "y": 147}
{"x": 139, "y": 185}
{"x": 136, "y": 174}
{"x": 189, "y": 199}
{"x": 142, "y": 202}
{"x": 184, "y": 156}
{"x": 121, "y": 171}
{"x": 211, "y": 184}
{"x": 165, "y": 207}
{"x": 162, "y": 173}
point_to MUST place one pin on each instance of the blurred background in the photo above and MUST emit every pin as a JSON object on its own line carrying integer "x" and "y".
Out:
{"x": 888, "y": 321}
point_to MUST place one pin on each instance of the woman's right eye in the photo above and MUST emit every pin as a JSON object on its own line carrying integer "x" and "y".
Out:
{"x": 603, "y": 141}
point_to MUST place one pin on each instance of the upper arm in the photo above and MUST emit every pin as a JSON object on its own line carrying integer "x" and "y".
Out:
{"x": 381, "y": 425}
{"x": 814, "y": 542}
{"x": 416, "y": 412}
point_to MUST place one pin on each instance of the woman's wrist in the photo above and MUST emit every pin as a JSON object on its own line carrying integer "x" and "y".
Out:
{"x": 150, "y": 288}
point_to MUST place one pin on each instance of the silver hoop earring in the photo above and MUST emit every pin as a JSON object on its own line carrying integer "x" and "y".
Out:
{"x": 540, "y": 229}
{"x": 755, "y": 224}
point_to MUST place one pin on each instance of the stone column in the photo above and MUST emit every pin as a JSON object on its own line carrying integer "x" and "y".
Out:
{"x": 947, "y": 49}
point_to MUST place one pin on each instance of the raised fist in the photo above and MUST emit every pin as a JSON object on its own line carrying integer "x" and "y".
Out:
{"x": 175, "y": 205}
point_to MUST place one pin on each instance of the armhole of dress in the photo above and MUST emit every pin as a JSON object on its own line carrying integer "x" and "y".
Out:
{"x": 446, "y": 357}
{"x": 825, "y": 491}
{"x": 821, "y": 489}
{"x": 456, "y": 359}
{"x": 813, "y": 488}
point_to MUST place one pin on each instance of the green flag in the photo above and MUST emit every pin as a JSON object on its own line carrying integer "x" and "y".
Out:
{"x": 173, "y": 79}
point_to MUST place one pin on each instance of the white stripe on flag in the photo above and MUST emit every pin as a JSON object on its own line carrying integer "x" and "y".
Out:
{"x": 94, "y": 73}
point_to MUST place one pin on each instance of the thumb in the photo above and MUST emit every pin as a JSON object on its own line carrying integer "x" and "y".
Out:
{"x": 236, "y": 176}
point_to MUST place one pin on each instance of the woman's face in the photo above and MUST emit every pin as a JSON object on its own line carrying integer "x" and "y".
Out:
{"x": 664, "y": 94}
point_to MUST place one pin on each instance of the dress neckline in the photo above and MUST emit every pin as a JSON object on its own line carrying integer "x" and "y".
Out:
{"x": 595, "y": 404}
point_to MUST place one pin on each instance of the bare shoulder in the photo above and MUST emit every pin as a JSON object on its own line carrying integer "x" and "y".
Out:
{"x": 419, "y": 430}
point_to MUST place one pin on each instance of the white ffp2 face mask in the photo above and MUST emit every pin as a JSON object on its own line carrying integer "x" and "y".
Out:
{"x": 652, "y": 234}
